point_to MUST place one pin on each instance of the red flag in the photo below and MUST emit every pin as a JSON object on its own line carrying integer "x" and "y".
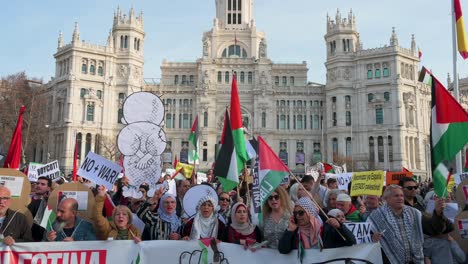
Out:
{"x": 175, "y": 161}
{"x": 75, "y": 162}
{"x": 328, "y": 168}
{"x": 405, "y": 170}
{"x": 13, "y": 158}
{"x": 108, "y": 206}
{"x": 419, "y": 53}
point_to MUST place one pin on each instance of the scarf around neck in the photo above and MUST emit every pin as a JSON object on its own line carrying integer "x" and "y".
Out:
{"x": 173, "y": 219}
{"x": 204, "y": 227}
{"x": 246, "y": 228}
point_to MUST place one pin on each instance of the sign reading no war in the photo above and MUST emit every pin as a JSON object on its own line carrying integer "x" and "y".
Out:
{"x": 50, "y": 170}
{"x": 99, "y": 170}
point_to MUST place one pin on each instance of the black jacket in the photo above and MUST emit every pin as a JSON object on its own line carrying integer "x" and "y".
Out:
{"x": 16, "y": 226}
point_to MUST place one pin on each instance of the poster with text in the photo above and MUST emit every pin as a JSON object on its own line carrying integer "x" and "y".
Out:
{"x": 80, "y": 196}
{"x": 14, "y": 184}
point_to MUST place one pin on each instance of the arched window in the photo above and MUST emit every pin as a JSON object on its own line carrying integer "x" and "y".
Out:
{"x": 285, "y": 80}
{"x": 121, "y": 42}
{"x": 88, "y": 143}
{"x": 277, "y": 80}
{"x": 138, "y": 44}
{"x": 176, "y": 79}
{"x": 316, "y": 122}
{"x": 299, "y": 124}
{"x": 349, "y": 147}
{"x": 135, "y": 43}
{"x": 79, "y": 140}
{"x": 90, "y": 113}
{"x": 370, "y": 97}
{"x": 126, "y": 42}
{"x": 348, "y": 100}
{"x": 291, "y": 80}
{"x": 348, "y": 118}
{"x": 379, "y": 115}
{"x": 168, "y": 120}
{"x": 83, "y": 92}
{"x": 220, "y": 77}
{"x": 191, "y": 79}
{"x": 371, "y": 149}
{"x": 386, "y": 96}
{"x": 390, "y": 149}
{"x": 242, "y": 77}
{"x": 282, "y": 123}
{"x": 184, "y": 80}
{"x": 185, "y": 121}
{"x": 100, "y": 71}
{"x": 97, "y": 144}
{"x": 263, "y": 120}
{"x": 84, "y": 68}
{"x": 335, "y": 148}
{"x": 99, "y": 94}
{"x": 226, "y": 77}
{"x": 205, "y": 119}
{"x": 92, "y": 69}
{"x": 380, "y": 149}
{"x": 121, "y": 96}
{"x": 334, "y": 119}
{"x": 250, "y": 78}
{"x": 234, "y": 51}
{"x": 119, "y": 115}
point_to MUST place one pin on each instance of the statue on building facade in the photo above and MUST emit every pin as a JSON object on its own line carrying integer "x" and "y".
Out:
{"x": 206, "y": 47}
{"x": 262, "y": 48}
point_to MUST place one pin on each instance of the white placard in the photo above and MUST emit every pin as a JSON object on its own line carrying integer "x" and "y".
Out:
{"x": 32, "y": 171}
{"x": 343, "y": 180}
{"x": 172, "y": 187}
{"x": 80, "y": 196}
{"x": 201, "y": 177}
{"x": 450, "y": 211}
{"x": 14, "y": 184}
{"x": 50, "y": 170}
{"x": 99, "y": 170}
{"x": 361, "y": 231}
{"x": 460, "y": 177}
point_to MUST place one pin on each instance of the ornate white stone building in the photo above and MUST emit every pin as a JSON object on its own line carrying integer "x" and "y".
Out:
{"x": 371, "y": 112}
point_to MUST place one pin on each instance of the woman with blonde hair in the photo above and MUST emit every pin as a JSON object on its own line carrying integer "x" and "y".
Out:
{"x": 121, "y": 227}
{"x": 276, "y": 214}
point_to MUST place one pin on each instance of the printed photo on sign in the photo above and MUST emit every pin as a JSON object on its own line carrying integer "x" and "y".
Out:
{"x": 463, "y": 227}
{"x": 32, "y": 171}
{"x": 15, "y": 184}
{"x": 80, "y": 196}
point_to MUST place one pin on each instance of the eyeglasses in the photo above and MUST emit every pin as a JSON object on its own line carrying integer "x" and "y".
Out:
{"x": 224, "y": 199}
{"x": 5, "y": 198}
{"x": 273, "y": 197}
{"x": 299, "y": 213}
{"x": 410, "y": 188}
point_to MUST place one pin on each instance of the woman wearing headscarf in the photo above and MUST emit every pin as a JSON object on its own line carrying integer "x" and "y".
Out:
{"x": 241, "y": 230}
{"x": 276, "y": 213}
{"x": 331, "y": 235}
{"x": 304, "y": 228}
{"x": 121, "y": 227}
{"x": 206, "y": 223}
{"x": 163, "y": 224}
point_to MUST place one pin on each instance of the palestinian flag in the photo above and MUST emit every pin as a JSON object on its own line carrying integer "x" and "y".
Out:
{"x": 271, "y": 169}
{"x": 466, "y": 161}
{"x": 237, "y": 128}
{"x": 328, "y": 168}
{"x": 462, "y": 43}
{"x": 419, "y": 53}
{"x": 226, "y": 167}
{"x": 48, "y": 218}
{"x": 449, "y": 132}
{"x": 193, "y": 138}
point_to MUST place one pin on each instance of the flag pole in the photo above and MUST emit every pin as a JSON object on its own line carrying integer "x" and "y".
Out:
{"x": 458, "y": 158}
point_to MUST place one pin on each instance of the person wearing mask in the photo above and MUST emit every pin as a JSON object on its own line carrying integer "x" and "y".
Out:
{"x": 14, "y": 226}
{"x": 241, "y": 230}
{"x": 163, "y": 224}
{"x": 120, "y": 228}
{"x": 68, "y": 226}
{"x": 206, "y": 223}
{"x": 276, "y": 213}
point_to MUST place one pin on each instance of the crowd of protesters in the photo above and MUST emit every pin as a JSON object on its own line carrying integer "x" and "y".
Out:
{"x": 306, "y": 214}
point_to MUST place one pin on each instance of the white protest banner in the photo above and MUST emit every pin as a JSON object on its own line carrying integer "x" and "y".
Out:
{"x": 173, "y": 251}
{"x": 201, "y": 177}
{"x": 50, "y": 170}
{"x": 343, "y": 180}
{"x": 15, "y": 184}
{"x": 80, "y": 196}
{"x": 97, "y": 252}
{"x": 32, "y": 171}
{"x": 99, "y": 170}
{"x": 361, "y": 231}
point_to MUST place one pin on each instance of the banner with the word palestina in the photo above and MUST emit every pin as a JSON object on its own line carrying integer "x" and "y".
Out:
{"x": 169, "y": 251}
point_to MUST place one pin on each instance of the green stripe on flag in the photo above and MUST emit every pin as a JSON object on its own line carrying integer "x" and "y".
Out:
{"x": 450, "y": 142}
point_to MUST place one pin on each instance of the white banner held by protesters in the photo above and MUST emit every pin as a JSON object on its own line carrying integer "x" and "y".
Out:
{"x": 99, "y": 170}
{"x": 32, "y": 171}
{"x": 361, "y": 231}
{"x": 50, "y": 170}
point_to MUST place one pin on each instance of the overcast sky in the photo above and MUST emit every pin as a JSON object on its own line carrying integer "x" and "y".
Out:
{"x": 174, "y": 28}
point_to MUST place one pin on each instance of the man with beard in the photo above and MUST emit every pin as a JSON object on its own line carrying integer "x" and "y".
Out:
{"x": 39, "y": 203}
{"x": 14, "y": 227}
{"x": 68, "y": 226}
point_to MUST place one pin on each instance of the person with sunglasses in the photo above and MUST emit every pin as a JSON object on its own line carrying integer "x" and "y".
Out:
{"x": 410, "y": 191}
{"x": 276, "y": 213}
{"x": 224, "y": 203}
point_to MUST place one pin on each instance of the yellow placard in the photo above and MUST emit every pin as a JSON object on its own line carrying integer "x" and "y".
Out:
{"x": 451, "y": 184}
{"x": 187, "y": 169}
{"x": 367, "y": 183}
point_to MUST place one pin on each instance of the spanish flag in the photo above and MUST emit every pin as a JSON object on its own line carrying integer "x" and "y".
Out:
{"x": 461, "y": 36}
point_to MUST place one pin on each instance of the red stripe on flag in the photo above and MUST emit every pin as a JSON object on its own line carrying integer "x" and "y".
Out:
{"x": 458, "y": 10}
{"x": 448, "y": 109}
{"x": 235, "y": 114}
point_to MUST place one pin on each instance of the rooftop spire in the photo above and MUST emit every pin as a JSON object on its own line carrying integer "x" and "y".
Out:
{"x": 76, "y": 34}
{"x": 394, "y": 38}
{"x": 60, "y": 39}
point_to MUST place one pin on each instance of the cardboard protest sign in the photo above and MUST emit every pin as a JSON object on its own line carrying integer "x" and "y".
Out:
{"x": 71, "y": 187}
{"x": 32, "y": 171}
{"x": 80, "y": 196}
{"x": 14, "y": 184}
{"x": 393, "y": 177}
{"x": 18, "y": 202}
{"x": 367, "y": 183}
{"x": 50, "y": 170}
{"x": 361, "y": 231}
{"x": 99, "y": 170}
